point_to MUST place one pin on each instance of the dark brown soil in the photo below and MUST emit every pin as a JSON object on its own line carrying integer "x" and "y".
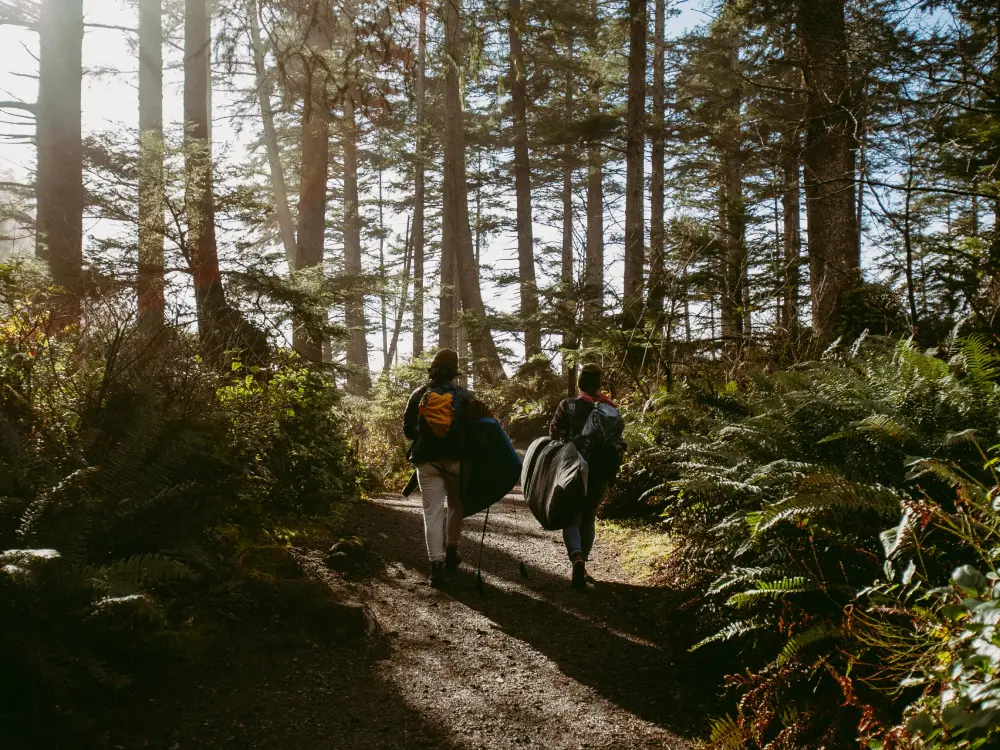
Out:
{"x": 526, "y": 663}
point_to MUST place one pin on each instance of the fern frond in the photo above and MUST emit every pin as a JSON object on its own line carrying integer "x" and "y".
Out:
{"x": 732, "y": 630}
{"x": 727, "y": 734}
{"x": 882, "y": 425}
{"x": 771, "y": 590}
{"x": 827, "y": 494}
{"x": 749, "y": 575}
{"x": 806, "y": 638}
{"x": 951, "y": 475}
{"x": 132, "y": 576}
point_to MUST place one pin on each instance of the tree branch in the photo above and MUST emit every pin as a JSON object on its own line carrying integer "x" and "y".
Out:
{"x": 12, "y": 104}
{"x": 111, "y": 27}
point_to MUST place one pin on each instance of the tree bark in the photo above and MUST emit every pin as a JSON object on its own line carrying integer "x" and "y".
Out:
{"x": 656, "y": 197}
{"x": 359, "y": 377}
{"x": 829, "y": 160}
{"x": 594, "y": 267}
{"x": 570, "y": 341}
{"x": 286, "y": 226}
{"x": 314, "y": 172}
{"x": 418, "y": 189}
{"x": 449, "y": 188}
{"x": 487, "y": 363}
{"x": 215, "y": 323}
{"x": 383, "y": 312}
{"x": 59, "y": 182}
{"x": 733, "y": 303}
{"x": 635, "y": 158}
{"x": 911, "y": 294}
{"x": 522, "y": 185}
{"x": 397, "y": 325}
{"x": 791, "y": 232}
{"x": 151, "y": 283}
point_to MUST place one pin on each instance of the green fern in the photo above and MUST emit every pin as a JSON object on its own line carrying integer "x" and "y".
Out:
{"x": 137, "y": 574}
{"x": 797, "y": 643}
{"x": 771, "y": 590}
{"x": 733, "y": 630}
{"x": 728, "y": 734}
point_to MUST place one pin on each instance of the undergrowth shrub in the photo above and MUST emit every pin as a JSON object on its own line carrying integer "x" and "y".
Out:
{"x": 376, "y": 428}
{"x": 127, "y": 467}
{"x": 779, "y": 493}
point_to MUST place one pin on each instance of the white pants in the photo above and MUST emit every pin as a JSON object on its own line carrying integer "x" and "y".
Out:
{"x": 441, "y": 482}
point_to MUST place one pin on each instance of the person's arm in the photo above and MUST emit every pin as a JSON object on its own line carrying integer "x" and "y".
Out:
{"x": 477, "y": 409}
{"x": 559, "y": 427}
{"x": 412, "y": 414}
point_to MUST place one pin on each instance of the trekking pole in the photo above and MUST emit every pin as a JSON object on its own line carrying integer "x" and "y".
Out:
{"x": 522, "y": 569}
{"x": 480, "y": 586}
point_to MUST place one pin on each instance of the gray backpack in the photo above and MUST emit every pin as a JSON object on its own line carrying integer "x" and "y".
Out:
{"x": 601, "y": 440}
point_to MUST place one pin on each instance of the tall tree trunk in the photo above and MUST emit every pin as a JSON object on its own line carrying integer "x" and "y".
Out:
{"x": 397, "y": 325}
{"x": 418, "y": 189}
{"x": 151, "y": 286}
{"x": 359, "y": 378}
{"x": 449, "y": 188}
{"x": 286, "y": 226}
{"x": 449, "y": 239}
{"x": 215, "y": 322}
{"x": 569, "y": 341}
{"x": 383, "y": 313}
{"x": 635, "y": 158}
{"x": 733, "y": 303}
{"x": 656, "y": 198}
{"x": 522, "y": 185}
{"x": 314, "y": 172}
{"x": 594, "y": 267}
{"x": 59, "y": 182}
{"x": 911, "y": 294}
{"x": 487, "y": 358}
{"x": 829, "y": 159}
{"x": 791, "y": 235}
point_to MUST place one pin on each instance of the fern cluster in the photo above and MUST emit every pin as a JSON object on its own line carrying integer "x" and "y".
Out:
{"x": 780, "y": 491}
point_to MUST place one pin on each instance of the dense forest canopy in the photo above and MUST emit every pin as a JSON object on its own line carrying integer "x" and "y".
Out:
{"x": 729, "y": 174}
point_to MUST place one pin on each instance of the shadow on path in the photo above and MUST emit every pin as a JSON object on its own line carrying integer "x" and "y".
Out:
{"x": 622, "y": 640}
{"x": 260, "y": 694}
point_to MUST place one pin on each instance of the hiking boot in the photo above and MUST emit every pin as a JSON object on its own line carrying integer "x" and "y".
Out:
{"x": 437, "y": 574}
{"x": 579, "y": 573}
{"x": 452, "y": 559}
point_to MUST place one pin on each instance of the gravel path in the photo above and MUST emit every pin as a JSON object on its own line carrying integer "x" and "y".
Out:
{"x": 528, "y": 663}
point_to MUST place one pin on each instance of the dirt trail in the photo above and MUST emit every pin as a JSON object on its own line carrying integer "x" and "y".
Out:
{"x": 530, "y": 663}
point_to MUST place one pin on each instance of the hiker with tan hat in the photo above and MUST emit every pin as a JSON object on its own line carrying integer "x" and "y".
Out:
{"x": 594, "y": 424}
{"x": 436, "y": 418}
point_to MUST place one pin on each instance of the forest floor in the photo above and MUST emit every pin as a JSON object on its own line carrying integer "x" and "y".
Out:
{"x": 528, "y": 662}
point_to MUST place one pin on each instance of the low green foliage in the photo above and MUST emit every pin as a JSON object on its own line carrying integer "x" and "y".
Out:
{"x": 778, "y": 492}
{"x": 134, "y": 479}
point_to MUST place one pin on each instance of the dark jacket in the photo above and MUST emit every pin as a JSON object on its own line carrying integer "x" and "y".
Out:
{"x": 568, "y": 421}
{"x": 424, "y": 450}
{"x": 567, "y": 424}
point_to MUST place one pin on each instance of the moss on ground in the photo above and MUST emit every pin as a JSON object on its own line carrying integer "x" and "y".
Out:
{"x": 644, "y": 549}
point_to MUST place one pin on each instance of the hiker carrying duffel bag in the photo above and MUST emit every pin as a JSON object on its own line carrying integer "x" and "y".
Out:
{"x": 554, "y": 481}
{"x": 437, "y": 419}
{"x": 592, "y": 423}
